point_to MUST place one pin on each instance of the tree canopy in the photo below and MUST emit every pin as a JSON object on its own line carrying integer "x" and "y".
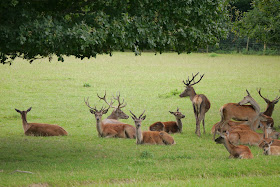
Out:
{"x": 85, "y": 28}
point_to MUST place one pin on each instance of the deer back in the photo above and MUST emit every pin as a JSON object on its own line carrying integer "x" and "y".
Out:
{"x": 155, "y": 137}
{"x": 171, "y": 127}
{"x": 157, "y": 126}
{"x": 40, "y": 129}
{"x": 237, "y": 112}
{"x": 245, "y": 137}
{"x": 118, "y": 130}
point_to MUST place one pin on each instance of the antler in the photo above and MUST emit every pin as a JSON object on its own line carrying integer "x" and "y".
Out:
{"x": 104, "y": 99}
{"x": 134, "y": 117}
{"x": 118, "y": 99}
{"x": 259, "y": 91}
{"x": 188, "y": 82}
{"x": 248, "y": 92}
{"x": 87, "y": 103}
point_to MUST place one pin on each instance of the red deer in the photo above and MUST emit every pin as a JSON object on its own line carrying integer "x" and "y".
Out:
{"x": 150, "y": 137}
{"x": 240, "y": 112}
{"x": 250, "y": 137}
{"x": 169, "y": 126}
{"x": 240, "y": 151}
{"x": 117, "y": 112}
{"x": 270, "y": 104}
{"x": 110, "y": 130}
{"x": 201, "y": 103}
{"x": 269, "y": 149}
{"x": 232, "y": 125}
{"x": 40, "y": 129}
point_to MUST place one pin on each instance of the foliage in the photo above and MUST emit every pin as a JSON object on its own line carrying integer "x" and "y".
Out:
{"x": 262, "y": 22}
{"x": 33, "y": 29}
{"x": 172, "y": 93}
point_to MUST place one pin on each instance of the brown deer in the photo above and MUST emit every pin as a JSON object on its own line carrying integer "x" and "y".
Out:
{"x": 239, "y": 112}
{"x": 169, "y": 126}
{"x": 110, "y": 130}
{"x": 117, "y": 112}
{"x": 250, "y": 137}
{"x": 201, "y": 103}
{"x": 231, "y": 125}
{"x": 270, "y": 104}
{"x": 150, "y": 137}
{"x": 269, "y": 149}
{"x": 265, "y": 140}
{"x": 240, "y": 151}
{"x": 40, "y": 129}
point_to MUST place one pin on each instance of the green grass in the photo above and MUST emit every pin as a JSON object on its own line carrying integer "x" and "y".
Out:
{"x": 56, "y": 93}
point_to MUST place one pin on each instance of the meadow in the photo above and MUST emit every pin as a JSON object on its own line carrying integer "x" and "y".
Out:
{"x": 150, "y": 82}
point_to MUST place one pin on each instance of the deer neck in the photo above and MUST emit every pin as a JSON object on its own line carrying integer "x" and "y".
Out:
{"x": 192, "y": 94}
{"x": 99, "y": 128}
{"x": 179, "y": 124}
{"x": 228, "y": 146}
{"x": 113, "y": 115}
{"x": 255, "y": 105}
{"x": 139, "y": 136}
{"x": 25, "y": 125}
{"x": 269, "y": 110}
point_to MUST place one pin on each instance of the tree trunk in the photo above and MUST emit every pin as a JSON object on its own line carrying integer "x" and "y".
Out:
{"x": 247, "y": 46}
{"x": 264, "y": 48}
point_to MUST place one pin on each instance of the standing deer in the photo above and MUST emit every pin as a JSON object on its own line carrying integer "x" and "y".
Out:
{"x": 117, "y": 112}
{"x": 269, "y": 149}
{"x": 239, "y": 112}
{"x": 240, "y": 151}
{"x": 110, "y": 130}
{"x": 169, "y": 126}
{"x": 150, "y": 137}
{"x": 201, "y": 103}
{"x": 40, "y": 129}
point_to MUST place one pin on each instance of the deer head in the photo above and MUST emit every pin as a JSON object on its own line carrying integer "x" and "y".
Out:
{"x": 177, "y": 114}
{"x": 117, "y": 112}
{"x": 188, "y": 83}
{"x": 270, "y": 104}
{"x": 249, "y": 99}
{"x": 266, "y": 147}
{"x": 98, "y": 113}
{"x": 138, "y": 120}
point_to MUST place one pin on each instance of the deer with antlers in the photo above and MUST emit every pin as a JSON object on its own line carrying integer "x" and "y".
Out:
{"x": 117, "y": 112}
{"x": 240, "y": 112}
{"x": 169, "y": 126}
{"x": 201, "y": 103}
{"x": 110, "y": 130}
{"x": 270, "y": 104}
{"x": 150, "y": 137}
{"x": 240, "y": 151}
{"x": 40, "y": 129}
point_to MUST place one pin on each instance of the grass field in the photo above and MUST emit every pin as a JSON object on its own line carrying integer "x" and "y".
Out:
{"x": 56, "y": 93}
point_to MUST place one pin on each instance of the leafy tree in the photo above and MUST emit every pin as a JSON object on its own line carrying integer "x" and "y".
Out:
{"x": 84, "y": 28}
{"x": 262, "y": 22}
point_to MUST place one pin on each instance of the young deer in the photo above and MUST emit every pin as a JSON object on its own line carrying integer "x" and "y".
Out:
{"x": 201, "y": 103}
{"x": 40, "y": 129}
{"x": 117, "y": 112}
{"x": 239, "y": 112}
{"x": 240, "y": 151}
{"x": 150, "y": 137}
{"x": 169, "y": 126}
{"x": 110, "y": 130}
{"x": 265, "y": 140}
{"x": 269, "y": 149}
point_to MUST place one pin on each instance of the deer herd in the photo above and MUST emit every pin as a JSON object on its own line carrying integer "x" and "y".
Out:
{"x": 240, "y": 123}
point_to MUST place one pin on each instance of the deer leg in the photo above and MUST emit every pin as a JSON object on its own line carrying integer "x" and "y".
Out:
{"x": 203, "y": 122}
{"x": 198, "y": 127}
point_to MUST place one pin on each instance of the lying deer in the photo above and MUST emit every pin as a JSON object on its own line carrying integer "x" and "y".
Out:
{"x": 250, "y": 137}
{"x": 40, "y": 129}
{"x": 231, "y": 125}
{"x": 240, "y": 112}
{"x": 240, "y": 151}
{"x": 150, "y": 137}
{"x": 269, "y": 149}
{"x": 169, "y": 126}
{"x": 275, "y": 142}
{"x": 110, "y": 130}
{"x": 201, "y": 103}
{"x": 117, "y": 112}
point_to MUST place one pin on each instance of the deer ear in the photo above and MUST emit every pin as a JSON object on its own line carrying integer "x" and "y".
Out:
{"x": 171, "y": 112}
{"x": 271, "y": 142}
{"x": 143, "y": 118}
{"x": 92, "y": 111}
{"x": 275, "y": 102}
{"x": 29, "y": 109}
{"x": 18, "y": 110}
